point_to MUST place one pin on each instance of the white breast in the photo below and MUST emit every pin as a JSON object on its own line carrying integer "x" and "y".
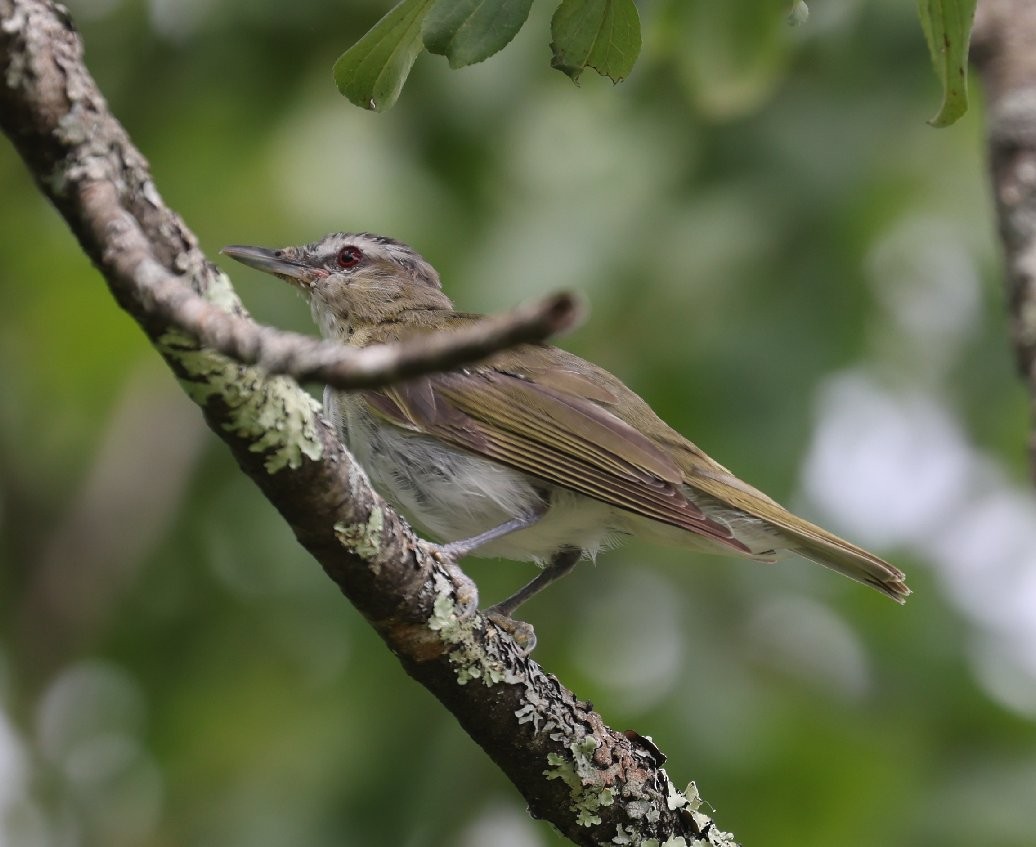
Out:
{"x": 453, "y": 494}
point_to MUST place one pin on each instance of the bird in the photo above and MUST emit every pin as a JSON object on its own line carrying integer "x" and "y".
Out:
{"x": 533, "y": 454}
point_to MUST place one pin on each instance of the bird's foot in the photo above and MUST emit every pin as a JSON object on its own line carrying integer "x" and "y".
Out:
{"x": 521, "y": 632}
{"x": 466, "y": 595}
{"x": 465, "y": 592}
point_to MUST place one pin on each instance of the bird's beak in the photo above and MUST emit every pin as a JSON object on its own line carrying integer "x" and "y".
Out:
{"x": 280, "y": 263}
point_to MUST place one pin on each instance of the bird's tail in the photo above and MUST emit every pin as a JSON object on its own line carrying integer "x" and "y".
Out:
{"x": 829, "y": 550}
{"x": 796, "y": 534}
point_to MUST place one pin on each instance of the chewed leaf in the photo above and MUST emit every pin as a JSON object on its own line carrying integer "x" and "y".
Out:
{"x": 947, "y": 28}
{"x": 469, "y": 31}
{"x": 371, "y": 73}
{"x": 599, "y": 34}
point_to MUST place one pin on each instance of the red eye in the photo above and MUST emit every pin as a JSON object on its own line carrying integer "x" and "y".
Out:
{"x": 349, "y": 256}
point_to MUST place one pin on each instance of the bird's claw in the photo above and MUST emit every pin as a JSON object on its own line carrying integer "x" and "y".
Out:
{"x": 466, "y": 596}
{"x": 523, "y": 634}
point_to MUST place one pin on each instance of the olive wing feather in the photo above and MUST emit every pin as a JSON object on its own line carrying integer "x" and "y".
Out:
{"x": 552, "y": 434}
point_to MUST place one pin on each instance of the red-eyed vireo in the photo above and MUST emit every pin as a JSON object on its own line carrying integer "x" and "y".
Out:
{"x": 534, "y": 454}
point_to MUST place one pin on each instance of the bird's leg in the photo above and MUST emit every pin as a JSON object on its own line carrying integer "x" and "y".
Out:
{"x": 560, "y": 564}
{"x": 459, "y": 549}
{"x": 502, "y": 613}
{"x": 455, "y": 550}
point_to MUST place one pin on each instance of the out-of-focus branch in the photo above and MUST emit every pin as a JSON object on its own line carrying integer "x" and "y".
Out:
{"x": 167, "y": 299}
{"x": 594, "y": 784}
{"x": 1003, "y": 49}
{"x": 311, "y": 360}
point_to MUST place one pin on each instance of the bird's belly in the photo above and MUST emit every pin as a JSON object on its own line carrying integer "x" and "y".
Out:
{"x": 453, "y": 494}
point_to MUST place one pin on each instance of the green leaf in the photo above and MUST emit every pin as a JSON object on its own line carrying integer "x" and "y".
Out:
{"x": 600, "y": 34}
{"x": 947, "y": 28}
{"x": 371, "y": 73}
{"x": 469, "y": 31}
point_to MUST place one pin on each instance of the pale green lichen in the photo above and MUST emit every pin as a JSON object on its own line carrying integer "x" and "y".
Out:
{"x": 472, "y": 663}
{"x": 528, "y": 714}
{"x": 691, "y": 798}
{"x": 642, "y": 808}
{"x": 583, "y": 779}
{"x": 468, "y": 672}
{"x": 271, "y": 412}
{"x": 630, "y": 837}
{"x": 676, "y": 799}
{"x": 718, "y": 838}
{"x": 586, "y": 817}
{"x": 626, "y": 835}
{"x": 221, "y": 293}
{"x": 583, "y": 750}
{"x": 587, "y": 796}
{"x": 470, "y": 659}
{"x": 587, "y": 803}
{"x": 444, "y": 619}
{"x": 363, "y": 538}
{"x": 561, "y": 768}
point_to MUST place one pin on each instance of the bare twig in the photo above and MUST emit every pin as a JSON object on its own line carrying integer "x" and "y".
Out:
{"x": 167, "y": 298}
{"x": 312, "y": 360}
{"x": 594, "y": 784}
{"x": 1003, "y": 51}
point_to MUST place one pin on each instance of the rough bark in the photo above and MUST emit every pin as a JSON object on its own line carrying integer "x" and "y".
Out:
{"x": 1004, "y": 53}
{"x": 597, "y": 786}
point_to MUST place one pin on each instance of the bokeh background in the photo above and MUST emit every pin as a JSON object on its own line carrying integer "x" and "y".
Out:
{"x": 781, "y": 256}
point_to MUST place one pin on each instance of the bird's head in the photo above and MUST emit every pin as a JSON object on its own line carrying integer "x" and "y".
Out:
{"x": 351, "y": 279}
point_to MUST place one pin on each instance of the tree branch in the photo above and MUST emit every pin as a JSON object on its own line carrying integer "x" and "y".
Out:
{"x": 594, "y": 784}
{"x": 1002, "y": 50}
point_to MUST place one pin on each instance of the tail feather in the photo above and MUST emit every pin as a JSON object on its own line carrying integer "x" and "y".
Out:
{"x": 852, "y": 561}
{"x": 798, "y": 535}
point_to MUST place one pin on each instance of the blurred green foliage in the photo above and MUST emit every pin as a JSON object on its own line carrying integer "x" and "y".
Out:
{"x": 781, "y": 256}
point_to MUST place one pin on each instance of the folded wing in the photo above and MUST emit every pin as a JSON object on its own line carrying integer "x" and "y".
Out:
{"x": 553, "y": 434}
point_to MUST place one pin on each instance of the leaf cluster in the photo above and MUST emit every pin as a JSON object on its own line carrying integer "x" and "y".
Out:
{"x": 600, "y": 34}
